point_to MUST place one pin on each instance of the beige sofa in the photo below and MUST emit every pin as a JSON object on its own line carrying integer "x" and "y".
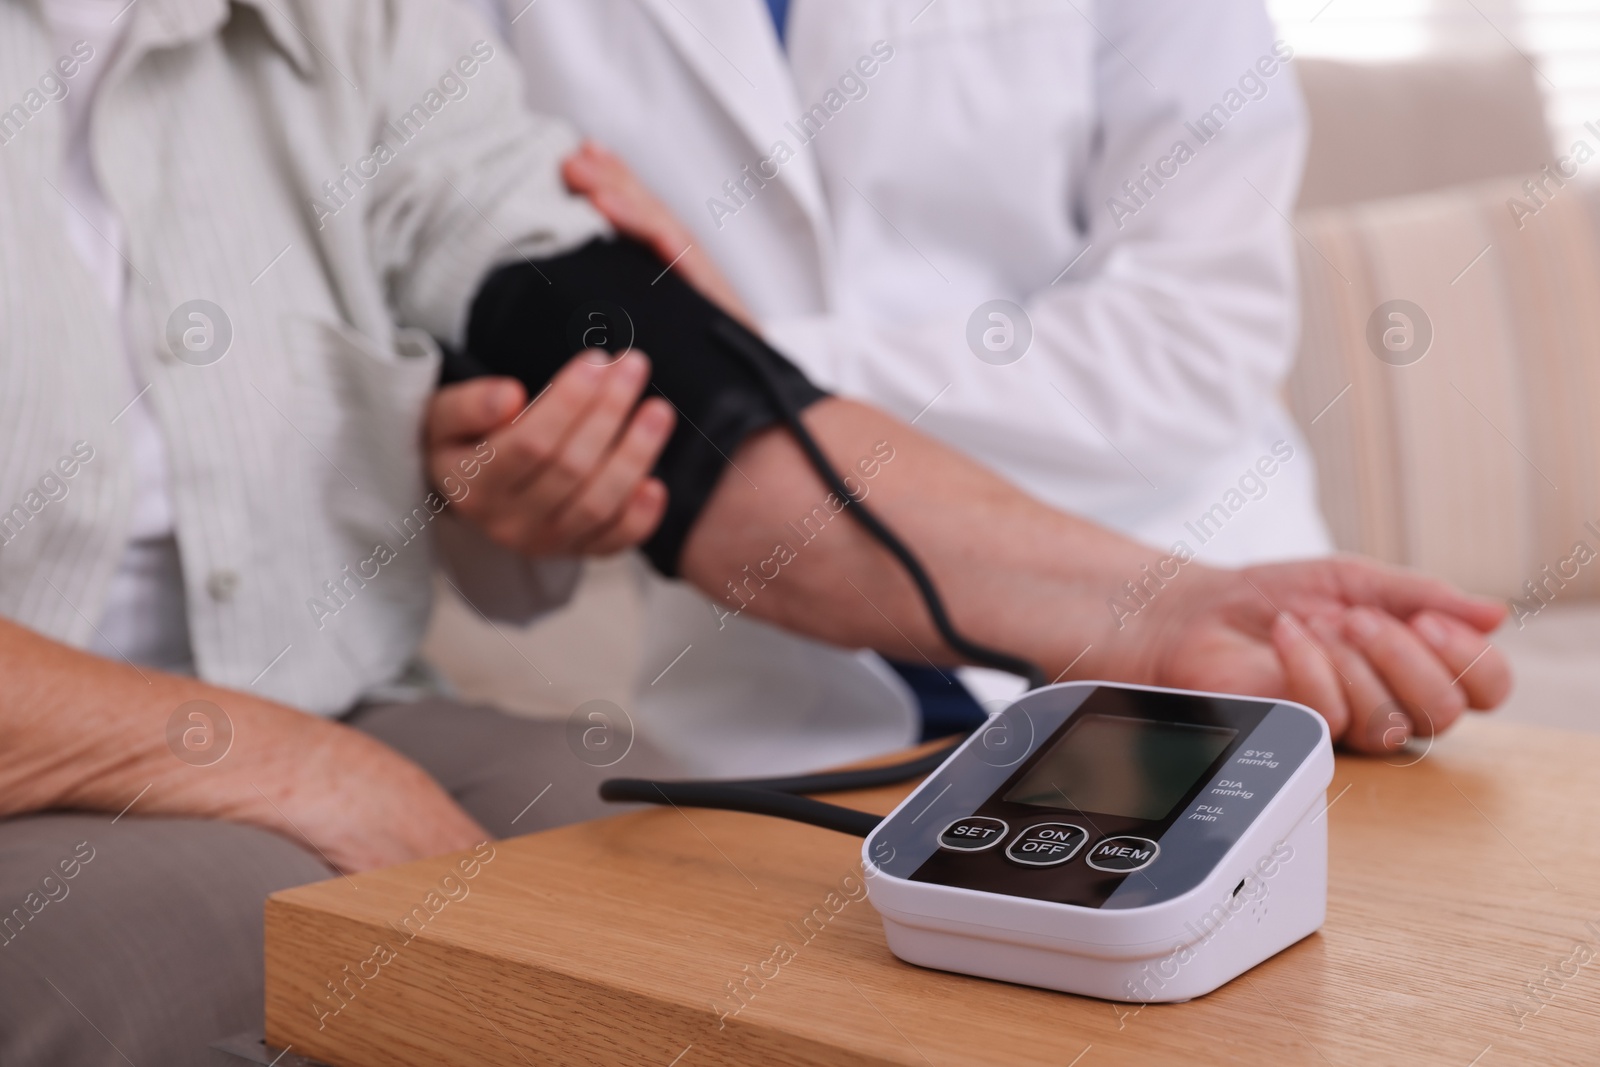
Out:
{"x": 1392, "y": 129}
{"x": 1479, "y": 462}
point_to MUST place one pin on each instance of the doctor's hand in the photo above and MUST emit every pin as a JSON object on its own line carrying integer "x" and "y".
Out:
{"x": 569, "y": 473}
{"x": 1384, "y": 655}
{"x": 618, "y": 194}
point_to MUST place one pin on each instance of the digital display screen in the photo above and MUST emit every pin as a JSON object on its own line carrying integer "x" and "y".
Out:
{"x": 1115, "y": 765}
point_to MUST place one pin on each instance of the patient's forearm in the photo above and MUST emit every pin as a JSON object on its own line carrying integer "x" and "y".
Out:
{"x": 81, "y": 732}
{"x": 1015, "y": 574}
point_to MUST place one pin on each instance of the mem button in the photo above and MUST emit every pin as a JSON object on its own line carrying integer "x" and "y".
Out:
{"x": 1123, "y": 854}
{"x": 973, "y": 834}
{"x": 1047, "y": 844}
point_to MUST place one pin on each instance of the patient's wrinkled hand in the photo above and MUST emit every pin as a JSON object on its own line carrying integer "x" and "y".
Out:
{"x": 569, "y": 473}
{"x": 1383, "y": 654}
{"x": 618, "y": 194}
{"x": 358, "y": 803}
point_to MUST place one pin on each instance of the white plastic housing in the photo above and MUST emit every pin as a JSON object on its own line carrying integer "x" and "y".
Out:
{"x": 1173, "y": 950}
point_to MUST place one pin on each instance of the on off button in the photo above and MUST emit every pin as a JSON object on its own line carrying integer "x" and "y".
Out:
{"x": 1046, "y": 844}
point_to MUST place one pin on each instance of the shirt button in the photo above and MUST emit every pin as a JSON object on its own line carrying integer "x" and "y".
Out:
{"x": 221, "y": 584}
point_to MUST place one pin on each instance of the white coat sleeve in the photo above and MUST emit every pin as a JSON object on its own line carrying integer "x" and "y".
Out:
{"x": 1171, "y": 335}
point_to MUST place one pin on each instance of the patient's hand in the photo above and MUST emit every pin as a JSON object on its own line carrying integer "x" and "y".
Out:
{"x": 1383, "y": 654}
{"x": 568, "y": 474}
{"x": 621, "y": 197}
{"x": 353, "y": 800}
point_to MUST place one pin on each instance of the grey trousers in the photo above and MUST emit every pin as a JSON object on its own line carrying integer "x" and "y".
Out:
{"x": 140, "y": 941}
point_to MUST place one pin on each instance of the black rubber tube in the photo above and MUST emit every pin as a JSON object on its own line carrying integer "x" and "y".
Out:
{"x": 749, "y": 349}
{"x": 739, "y": 798}
{"x": 844, "y": 781}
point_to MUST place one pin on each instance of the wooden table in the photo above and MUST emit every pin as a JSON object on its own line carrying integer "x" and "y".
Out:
{"x": 1463, "y": 929}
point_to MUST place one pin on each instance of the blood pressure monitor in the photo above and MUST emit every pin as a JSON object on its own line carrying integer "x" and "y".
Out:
{"x": 1124, "y": 842}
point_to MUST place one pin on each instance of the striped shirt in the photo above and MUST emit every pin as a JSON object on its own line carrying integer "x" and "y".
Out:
{"x": 324, "y": 183}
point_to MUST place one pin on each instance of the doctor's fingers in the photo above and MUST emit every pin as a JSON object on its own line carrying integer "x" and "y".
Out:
{"x": 1409, "y": 668}
{"x": 591, "y": 514}
{"x": 458, "y": 420}
{"x": 634, "y": 524}
{"x": 618, "y": 194}
{"x": 1310, "y": 675}
{"x": 1477, "y": 666}
{"x": 625, "y": 202}
{"x": 580, "y": 456}
{"x": 1378, "y": 722}
{"x": 589, "y": 397}
{"x": 461, "y": 415}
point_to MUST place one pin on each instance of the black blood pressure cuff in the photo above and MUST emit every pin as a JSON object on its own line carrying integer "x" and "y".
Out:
{"x": 531, "y": 318}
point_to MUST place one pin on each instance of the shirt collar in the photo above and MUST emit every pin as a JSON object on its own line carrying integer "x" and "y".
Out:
{"x": 284, "y": 30}
{"x": 174, "y": 22}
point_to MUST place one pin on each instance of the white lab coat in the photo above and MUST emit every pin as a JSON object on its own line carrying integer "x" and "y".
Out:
{"x": 983, "y": 158}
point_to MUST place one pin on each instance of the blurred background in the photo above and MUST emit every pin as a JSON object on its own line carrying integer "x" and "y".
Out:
{"x": 1448, "y": 181}
{"x": 1557, "y": 40}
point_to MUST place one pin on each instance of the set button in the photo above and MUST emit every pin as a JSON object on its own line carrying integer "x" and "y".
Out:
{"x": 1046, "y": 844}
{"x": 1120, "y": 855}
{"x": 973, "y": 834}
